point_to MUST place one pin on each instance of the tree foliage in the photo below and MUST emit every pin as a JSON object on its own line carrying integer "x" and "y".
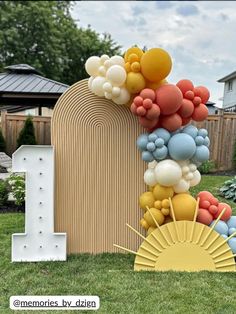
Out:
{"x": 27, "y": 135}
{"x": 44, "y": 35}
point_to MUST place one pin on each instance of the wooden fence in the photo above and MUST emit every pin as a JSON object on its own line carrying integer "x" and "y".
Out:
{"x": 12, "y": 125}
{"x": 221, "y": 129}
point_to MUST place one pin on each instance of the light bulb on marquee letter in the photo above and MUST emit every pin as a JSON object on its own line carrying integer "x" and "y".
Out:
{"x": 39, "y": 242}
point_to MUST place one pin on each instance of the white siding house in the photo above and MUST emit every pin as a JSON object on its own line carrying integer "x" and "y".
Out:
{"x": 229, "y": 98}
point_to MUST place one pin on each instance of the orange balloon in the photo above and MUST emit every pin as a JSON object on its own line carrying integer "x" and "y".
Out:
{"x": 200, "y": 113}
{"x": 227, "y": 213}
{"x": 185, "y": 85}
{"x": 169, "y": 98}
{"x": 186, "y": 109}
{"x": 205, "y": 94}
{"x": 204, "y": 216}
{"x": 155, "y": 85}
{"x": 185, "y": 121}
{"x": 171, "y": 122}
{"x": 155, "y": 64}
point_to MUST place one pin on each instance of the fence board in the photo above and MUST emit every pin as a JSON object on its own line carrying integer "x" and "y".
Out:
{"x": 221, "y": 129}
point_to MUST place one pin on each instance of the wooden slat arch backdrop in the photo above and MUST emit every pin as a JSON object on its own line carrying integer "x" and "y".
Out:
{"x": 99, "y": 171}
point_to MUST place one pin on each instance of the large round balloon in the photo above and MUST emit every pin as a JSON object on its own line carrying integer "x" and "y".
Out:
{"x": 181, "y": 146}
{"x": 168, "y": 172}
{"x": 116, "y": 74}
{"x": 92, "y": 65}
{"x": 185, "y": 86}
{"x": 184, "y": 206}
{"x": 200, "y": 113}
{"x": 172, "y": 122}
{"x": 169, "y": 98}
{"x": 155, "y": 64}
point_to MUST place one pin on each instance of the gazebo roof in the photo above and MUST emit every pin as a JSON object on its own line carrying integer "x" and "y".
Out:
{"x": 22, "y": 84}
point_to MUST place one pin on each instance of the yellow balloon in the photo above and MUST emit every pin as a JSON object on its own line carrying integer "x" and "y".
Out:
{"x": 155, "y": 85}
{"x": 162, "y": 192}
{"x": 144, "y": 224}
{"x": 135, "y": 82}
{"x": 157, "y": 205}
{"x": 133, "y": 50}
{"x": 155, "y": 64}
{"x": 135, "y": 67}
{"x": 184, "y": 206}
{"x": 146, "y": 199}
{"x": 157, "y": 214}
{"x": 150, "y": 230}
{"x": 165, "y": 203}
{"x": 165, "y": 211}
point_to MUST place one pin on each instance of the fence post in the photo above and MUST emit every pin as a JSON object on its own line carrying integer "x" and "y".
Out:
{"x": 3, "y": 123}
{"x": 220, "y": 138}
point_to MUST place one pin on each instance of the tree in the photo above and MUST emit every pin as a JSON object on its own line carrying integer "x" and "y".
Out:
{"x": 27, "y": 136}
{"x": 2, "y": 142}
{"x": 44, "y": 35}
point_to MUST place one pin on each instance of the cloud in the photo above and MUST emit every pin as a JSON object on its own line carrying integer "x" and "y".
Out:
{"x": 164, "y": 4}
{"x": 201, "y": 45}
{"x": 187, "y": 10}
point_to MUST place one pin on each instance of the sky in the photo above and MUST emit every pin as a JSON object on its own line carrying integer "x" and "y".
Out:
{"x": 200, "y": 36}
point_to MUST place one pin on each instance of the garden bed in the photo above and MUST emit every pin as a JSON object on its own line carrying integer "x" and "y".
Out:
{"x": 11, "y": 207}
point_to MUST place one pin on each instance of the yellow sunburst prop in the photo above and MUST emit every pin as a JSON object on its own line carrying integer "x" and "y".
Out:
{"x": 183, "y": 246}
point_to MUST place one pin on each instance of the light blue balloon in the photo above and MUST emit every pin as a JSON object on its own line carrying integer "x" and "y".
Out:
{"x": 207, "y": 141}
{"x": 221, "y": 227}
{"x": 163, "y": 133}
{"x": 224, "y": 236}
{"x": 231, "y": 231}
{"x": 142, "y": 141}
{"x": 160, "y": 153}
{"x": 190, "y": 130}
{"x": 181, "y": 146}
{"x": 202, "y": 132}
{"x": 151, "y": 147}
{"x": 202, "y": 153}
{"x": 199, "y": 140}
{"x": 147, "y": 156}
{"x": 232, "y": 244}
{"x": 159, "y": 142}
{"x": 152, "y": 137}
{"x": 232, "y": 222}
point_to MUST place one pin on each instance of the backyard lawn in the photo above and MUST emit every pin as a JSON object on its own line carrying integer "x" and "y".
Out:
{"x": 111, "y": 277}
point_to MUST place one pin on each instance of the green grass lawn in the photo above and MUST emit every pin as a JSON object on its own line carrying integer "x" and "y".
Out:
{"x": 111, "y": 277}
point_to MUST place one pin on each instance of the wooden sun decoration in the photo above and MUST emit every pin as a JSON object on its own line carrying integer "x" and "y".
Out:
{"x": 183, "y": 246}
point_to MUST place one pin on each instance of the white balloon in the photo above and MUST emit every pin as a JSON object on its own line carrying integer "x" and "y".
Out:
{"x": 168, "y": 172}
{"x": 116, "y": 75}
{"x": 97, "y": 86}
{"x": 90, "y": 81}
{"x": 104, "y": 58}
{"x": 192, "y": 167}
{"x": 115, "y": 91}
{"x": 152, "y": 164}
{"x": 108, "y": 95}
{"x": 118, "y": 60}
{"x": 185, "y": 169}
{"x": 182, "y": 186}
{"x": 92, "y": 65}
{"x": 123, "y": 98}
{"x": 107, "y": 64}
{"x": 189, "y": 176}
{"x": 102, "y": 71}
{"x": 107, "y": 87}
{"x": 196, "y": 178}
{"x": 150, "y": 177}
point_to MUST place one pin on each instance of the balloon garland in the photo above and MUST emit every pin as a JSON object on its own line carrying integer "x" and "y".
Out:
{"x": 172, "y": 147}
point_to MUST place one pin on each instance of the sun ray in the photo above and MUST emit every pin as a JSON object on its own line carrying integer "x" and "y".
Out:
{"x": 200, "y": 234}
{"x": 174, "y": 219}
{"x": 225, "y": 241}
{"x": 225, "y": 258}
{"x": 194, "y": 220}
{"x": 133, "y": 252}
{"x": 145, "y": 264}
{"x": 212, "y": 241}
{"x": 212, "y": 227}
{"x": 221, "y": 253}
{"x": 225, "y": 265}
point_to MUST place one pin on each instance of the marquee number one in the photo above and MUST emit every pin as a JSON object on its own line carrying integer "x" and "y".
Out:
{"x": 39, "y": 242}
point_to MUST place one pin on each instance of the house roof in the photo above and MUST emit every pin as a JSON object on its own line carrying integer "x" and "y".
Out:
{"x": 22, "y": 84}
{"x": 227, "y": 77}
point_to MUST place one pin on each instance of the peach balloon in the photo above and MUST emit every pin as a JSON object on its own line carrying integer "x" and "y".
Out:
{"x": 169, "y": 98}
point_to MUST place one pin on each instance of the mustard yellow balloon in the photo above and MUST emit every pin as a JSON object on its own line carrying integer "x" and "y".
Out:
{"x": 150, "y": 230}
{"x": 155, "y": 64}
{"x": 133, "y": 50}
{"x": 165, "y": 211}
{"x": 155, "y": 85}
{"x": 135, "y": 82}
{"x": 144, "y": 224}
{"x": 184, "y": 206}
{"x": 146, "y": 199}
{"x": 162, "y": 192}
{"x": 157, "y": 214}
{"x": 157, "y": 205}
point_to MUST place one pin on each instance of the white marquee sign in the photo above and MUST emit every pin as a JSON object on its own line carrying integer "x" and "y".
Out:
{"x": 39, "y": 242}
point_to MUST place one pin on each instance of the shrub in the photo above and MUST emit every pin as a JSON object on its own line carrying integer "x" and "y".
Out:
{"x": 206, "y": 167}
{"x": 2, "y": 142}
{"x": 17, "y": 188}
{"x": 27, "y": 135}
{"x": 228, "y": 190}
{"x": 3, "y": 192}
